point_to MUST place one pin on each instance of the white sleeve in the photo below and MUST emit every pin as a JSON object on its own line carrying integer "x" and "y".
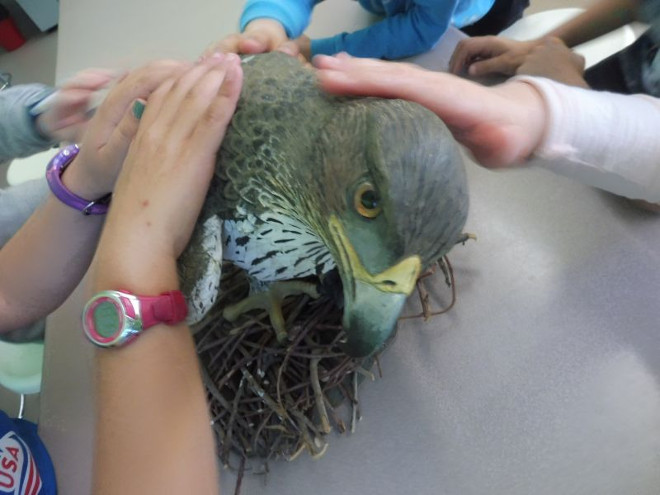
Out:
{"x": 606, "y": 140}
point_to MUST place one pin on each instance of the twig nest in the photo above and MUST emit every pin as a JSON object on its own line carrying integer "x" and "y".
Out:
{"x": 275, "y": 401}
{"x": 271, "y": 400}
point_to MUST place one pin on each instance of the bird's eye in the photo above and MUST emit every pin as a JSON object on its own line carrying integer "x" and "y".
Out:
{"x": 367, "y": 201}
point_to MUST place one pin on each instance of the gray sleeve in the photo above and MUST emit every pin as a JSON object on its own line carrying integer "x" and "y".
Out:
{"x": 18, "y": 136}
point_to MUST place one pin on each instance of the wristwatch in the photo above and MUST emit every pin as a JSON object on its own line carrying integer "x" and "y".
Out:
{"x": 113, "y": 318}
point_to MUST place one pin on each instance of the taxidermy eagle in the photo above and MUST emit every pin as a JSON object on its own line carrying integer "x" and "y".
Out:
{"x": 306, "y": 183}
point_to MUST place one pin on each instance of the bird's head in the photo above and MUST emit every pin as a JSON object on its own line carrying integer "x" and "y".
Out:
{"x": 390, "y": 195}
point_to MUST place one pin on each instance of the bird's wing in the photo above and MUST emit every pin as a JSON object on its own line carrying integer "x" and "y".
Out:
{"x": 200, "y": 268}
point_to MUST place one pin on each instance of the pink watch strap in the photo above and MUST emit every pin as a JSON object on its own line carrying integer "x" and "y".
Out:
{"x": 168, "y": 307}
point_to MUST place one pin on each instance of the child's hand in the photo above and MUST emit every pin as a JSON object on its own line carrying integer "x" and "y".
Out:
{"x": 105, "y": 144}
{"x": 164, "y": 180}
{"x": 554, "y": 60}
{"x": 300, "y": 47}
{"x": 502, "y": 125}
{"x": 67, "y": 118}
{"x": 259, "y": 36}
{"x": 485, "y": 55}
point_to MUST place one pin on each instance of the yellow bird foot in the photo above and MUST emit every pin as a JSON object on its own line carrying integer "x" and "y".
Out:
{"x": 271, "y": 301}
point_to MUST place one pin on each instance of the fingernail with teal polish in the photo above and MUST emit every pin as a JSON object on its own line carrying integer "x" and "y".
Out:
{"x": 138, "y": 109}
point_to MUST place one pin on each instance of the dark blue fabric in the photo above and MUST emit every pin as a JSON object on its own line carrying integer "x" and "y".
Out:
{"x": 25, "y": 466}
{"x": 630, "y": 71}
{"x": 636, "y": 68}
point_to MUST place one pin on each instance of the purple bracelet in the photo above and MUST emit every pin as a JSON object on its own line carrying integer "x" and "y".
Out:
{"x": 54, "y": 171}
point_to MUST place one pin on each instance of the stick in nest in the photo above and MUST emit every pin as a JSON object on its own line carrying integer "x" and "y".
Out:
{"x": 273, "y": 401}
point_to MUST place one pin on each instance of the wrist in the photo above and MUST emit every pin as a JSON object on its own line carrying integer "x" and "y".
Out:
{"x": 37, "y": 108}
{"x": 42, "y": 129}
{"x": 147, "y": 284}
{"x": 54, "y": 172}
{"x": 271, "y": 27}
{"x": 530, "y": 113}
{"x": 533, "y": 113}
{"x": 78, "y": 181}
{"x": 133, "y": 266}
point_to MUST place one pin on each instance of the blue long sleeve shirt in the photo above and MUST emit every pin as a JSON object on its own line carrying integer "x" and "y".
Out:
{"x": 409, "y": 27}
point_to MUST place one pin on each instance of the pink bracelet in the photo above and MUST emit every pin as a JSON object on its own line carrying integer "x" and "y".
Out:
{"x": 54, "y": 171}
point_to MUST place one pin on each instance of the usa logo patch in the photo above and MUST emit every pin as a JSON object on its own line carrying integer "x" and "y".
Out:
{"x": 18, "y": 471}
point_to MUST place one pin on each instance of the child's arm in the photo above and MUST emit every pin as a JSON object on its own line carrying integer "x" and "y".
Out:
{"x": 553, "y": 59}
{"x": 602, "y": 139}
{"x": 25, "y": 131}
{"x": 485, "y": 55}
{"x": 45, "y": 260}
{"x": 65, "y": 116}
{"x": 395, "y": 37}
{"x": 152, "y": 432}
{"x": 599, "y": 19}
{"x": 293, "y": 15}
{"x": 265, "y": 25}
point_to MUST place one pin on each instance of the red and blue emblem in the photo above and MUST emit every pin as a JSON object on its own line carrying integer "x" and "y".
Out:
{"x": 18, "y": 470}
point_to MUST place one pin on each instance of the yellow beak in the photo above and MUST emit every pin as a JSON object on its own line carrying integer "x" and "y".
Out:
{"x": 372, "y": 303}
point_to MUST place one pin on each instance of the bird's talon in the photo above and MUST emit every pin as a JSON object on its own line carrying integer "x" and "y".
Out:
{"x": 271, "y": 301}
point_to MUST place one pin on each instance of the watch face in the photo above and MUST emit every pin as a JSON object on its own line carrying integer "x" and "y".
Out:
{"x": 106, "y": 318}
{"x": 103, "y": 320}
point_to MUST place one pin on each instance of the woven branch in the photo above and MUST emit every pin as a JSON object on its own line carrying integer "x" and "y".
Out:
{"x": 274, "y": 401}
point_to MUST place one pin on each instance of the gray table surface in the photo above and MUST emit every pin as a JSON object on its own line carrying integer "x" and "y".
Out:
{"x": 542, "y": 380}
